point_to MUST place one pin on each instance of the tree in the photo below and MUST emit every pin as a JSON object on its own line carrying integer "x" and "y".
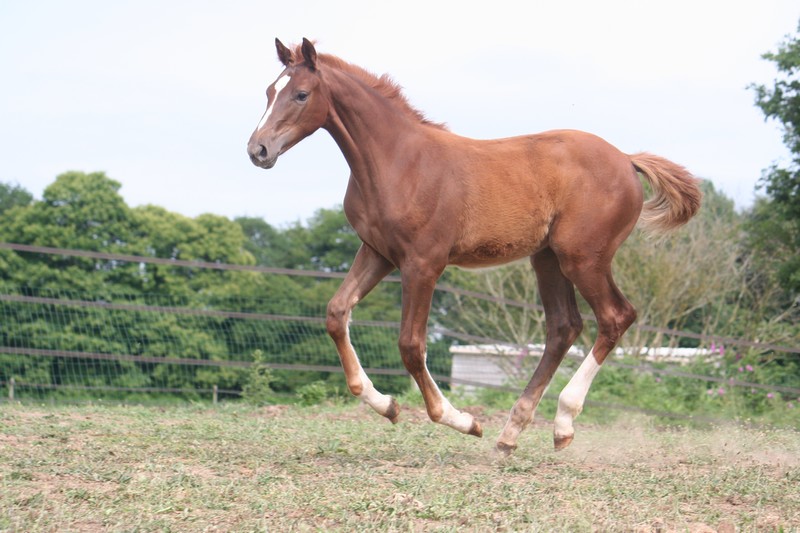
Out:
{"x": 13, "y": 196}
{"x": 78, "y": 210}
{"x": 85, "y": 211}
{"x": 782, "y": 184}
{"x": 270, "y": 246}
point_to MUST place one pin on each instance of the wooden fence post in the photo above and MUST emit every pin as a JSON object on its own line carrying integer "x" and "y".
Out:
{"x": 11, "y": 383}
{"x": 215, "y": 395}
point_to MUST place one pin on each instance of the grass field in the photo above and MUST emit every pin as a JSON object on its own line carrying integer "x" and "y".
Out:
{"x": 286, "y": 468}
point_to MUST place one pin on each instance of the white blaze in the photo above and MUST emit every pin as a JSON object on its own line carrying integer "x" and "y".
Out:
{"x": 280, "y": 85}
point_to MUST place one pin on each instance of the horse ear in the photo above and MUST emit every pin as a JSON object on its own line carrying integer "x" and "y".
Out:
{"x": 284, "y": 54}
{"x": 309, "y": 54}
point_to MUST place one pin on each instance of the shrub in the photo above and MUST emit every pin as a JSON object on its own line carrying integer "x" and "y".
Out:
{"x": 313, "y": 393}
{"x": 257, "y": 390}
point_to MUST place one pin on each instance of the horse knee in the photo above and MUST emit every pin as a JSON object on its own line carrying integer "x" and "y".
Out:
{"x": 412, "y": 351}
{"x": 336, "y": 320}
{"x": 629, "y": 316}
{"x": 569, "y": 328}
{"x": 623, "y": 318}
{"x": 614, "y": 326}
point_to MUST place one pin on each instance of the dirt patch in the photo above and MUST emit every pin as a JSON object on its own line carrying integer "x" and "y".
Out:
{"x": 190, "y": 469}
{"x": 270, "y": 411}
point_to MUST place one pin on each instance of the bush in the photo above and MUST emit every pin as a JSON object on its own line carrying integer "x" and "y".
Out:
{"x": 313, "y": 393}
{"x": 257, "y": 390}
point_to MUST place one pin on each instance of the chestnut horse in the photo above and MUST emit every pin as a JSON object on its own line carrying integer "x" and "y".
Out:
{"x": 421, "y": 198}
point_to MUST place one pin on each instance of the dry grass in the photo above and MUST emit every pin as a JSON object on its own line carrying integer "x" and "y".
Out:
{"x": 342, "y": 468}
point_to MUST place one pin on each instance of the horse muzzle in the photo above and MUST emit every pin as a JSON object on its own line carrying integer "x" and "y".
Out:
{"x": 261, "y": 156}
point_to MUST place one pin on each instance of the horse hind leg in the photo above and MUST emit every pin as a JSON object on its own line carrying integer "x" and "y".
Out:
{"x": 614, "y": 316}
{"x": 564, "y": 324}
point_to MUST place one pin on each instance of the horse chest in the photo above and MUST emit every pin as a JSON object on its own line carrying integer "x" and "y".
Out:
{"x": 398, "y": 234}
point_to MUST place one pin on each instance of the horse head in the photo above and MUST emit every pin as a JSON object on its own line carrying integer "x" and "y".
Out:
{"x": 297, "y": 106}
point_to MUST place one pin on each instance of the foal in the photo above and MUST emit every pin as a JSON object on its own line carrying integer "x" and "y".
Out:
{"x": 421, "y": 198}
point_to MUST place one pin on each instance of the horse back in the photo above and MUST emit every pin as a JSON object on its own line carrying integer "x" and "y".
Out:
{"x": 516, "y": 190}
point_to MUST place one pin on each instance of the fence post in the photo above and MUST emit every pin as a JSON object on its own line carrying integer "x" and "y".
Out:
{"x": 215, "y": 395}
{"x": 11, "y": 383}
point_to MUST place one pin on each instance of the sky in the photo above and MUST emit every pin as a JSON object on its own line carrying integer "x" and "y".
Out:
{"x": 163, "y": 96}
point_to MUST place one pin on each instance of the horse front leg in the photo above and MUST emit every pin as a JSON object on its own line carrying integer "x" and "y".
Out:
{"x": 368, "y": 269}
{"x": 418, "y": 287}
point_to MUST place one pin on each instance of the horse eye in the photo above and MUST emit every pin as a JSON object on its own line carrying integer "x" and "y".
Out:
{"x": 302, "y": 96}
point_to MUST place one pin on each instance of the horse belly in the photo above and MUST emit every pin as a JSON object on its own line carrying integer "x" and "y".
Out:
{"x": 500, "y": 247}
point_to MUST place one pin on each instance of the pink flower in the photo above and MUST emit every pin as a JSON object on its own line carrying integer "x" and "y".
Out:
{"x": 770, "y": 395}
{"x": 749, "y": 368}
{"x": 720, "y": 391}
{"x": 790, "y": 405}
{"x": 709, "y": 392}
{"x": 741, "y": 369}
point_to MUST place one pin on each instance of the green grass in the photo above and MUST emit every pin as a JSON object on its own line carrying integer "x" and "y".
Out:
{"x": 341, "y": 467}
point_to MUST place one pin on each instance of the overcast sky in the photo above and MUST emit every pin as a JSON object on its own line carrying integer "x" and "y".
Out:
{"x": 163, "y": 95}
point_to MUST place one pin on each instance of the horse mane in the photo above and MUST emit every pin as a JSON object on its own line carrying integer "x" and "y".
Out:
{"x": 383, "y": 85}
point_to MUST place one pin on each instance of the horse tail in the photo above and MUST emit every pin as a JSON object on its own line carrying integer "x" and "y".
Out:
{"x": 676, "y": 193}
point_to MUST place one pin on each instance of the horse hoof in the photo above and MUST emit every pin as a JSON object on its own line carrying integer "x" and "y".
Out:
{"x": 393, "y": 413}
{"x": 476, "y": 429}
{"x": 505, "y": 449}
{"x": 562, "y": 442}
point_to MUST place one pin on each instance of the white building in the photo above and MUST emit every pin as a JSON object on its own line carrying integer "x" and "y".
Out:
{"x": 501, "y": 364}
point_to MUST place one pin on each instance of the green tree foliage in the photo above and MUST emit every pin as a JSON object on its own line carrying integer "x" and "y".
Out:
{"x": 13, "y": 196}
{"x": 331, "y": 242}
{"x": 775, "y": 224}
{"x": 692, "y": 278}
{"x": 269, "y": 246}
{"x": 326, "y": 243}
{"x": 86, "y": 211}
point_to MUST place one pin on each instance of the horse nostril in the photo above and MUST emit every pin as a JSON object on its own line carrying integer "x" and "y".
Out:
{"x": 258, "y": 153}
{"x": 260, "y": 156}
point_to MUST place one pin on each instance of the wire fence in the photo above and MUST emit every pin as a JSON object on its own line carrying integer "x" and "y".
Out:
{"x": 70, "y": 345}
{"x": 61, "y": 342}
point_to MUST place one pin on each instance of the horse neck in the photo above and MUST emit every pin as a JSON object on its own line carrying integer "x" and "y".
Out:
{"x": 366, "y": 126}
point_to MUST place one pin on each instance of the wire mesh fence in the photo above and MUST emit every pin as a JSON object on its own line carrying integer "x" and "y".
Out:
{"x": 57, "y": 341}
{"x": 74, "y": 345}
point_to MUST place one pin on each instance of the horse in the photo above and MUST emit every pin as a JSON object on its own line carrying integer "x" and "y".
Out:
{"x": 421, "y": 198}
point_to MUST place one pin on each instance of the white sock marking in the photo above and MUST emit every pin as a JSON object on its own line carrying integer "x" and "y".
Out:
{"x": 570, "y": 401}
{"x": 369, "y": 394}
{"x": 451, "y": 416}
{"x": 454, "y": 418}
